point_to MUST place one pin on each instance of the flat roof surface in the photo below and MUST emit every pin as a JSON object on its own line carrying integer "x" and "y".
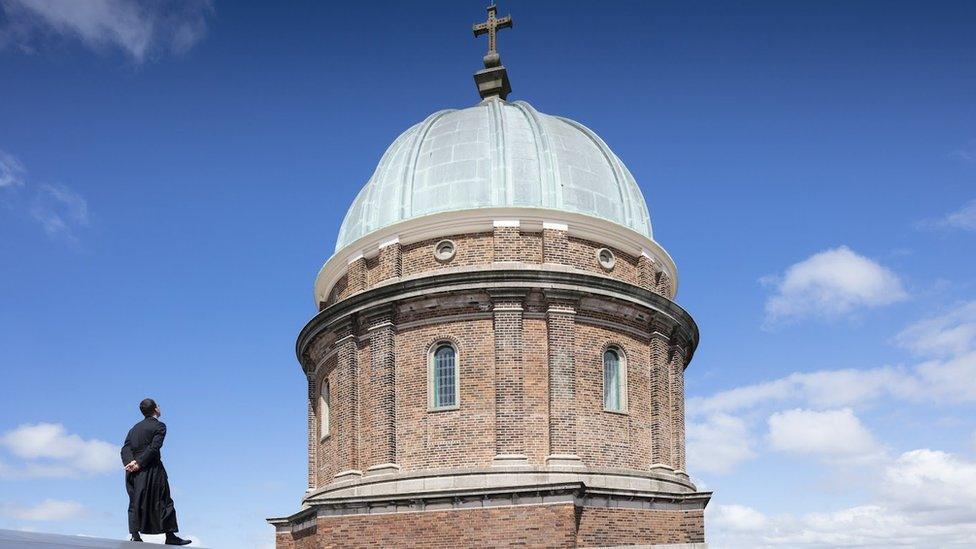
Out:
{"x": 13, "y": 539}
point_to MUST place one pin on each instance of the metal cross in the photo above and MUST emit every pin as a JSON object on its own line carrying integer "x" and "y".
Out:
{"x": 491, "y": 27}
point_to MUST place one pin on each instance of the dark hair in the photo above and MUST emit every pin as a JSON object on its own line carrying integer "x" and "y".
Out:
{"x": 147, "y": 407}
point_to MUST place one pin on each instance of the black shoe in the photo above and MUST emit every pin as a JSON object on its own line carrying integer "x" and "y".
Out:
{"x": 135, "y": 537}
{"x": 172, "y": 539}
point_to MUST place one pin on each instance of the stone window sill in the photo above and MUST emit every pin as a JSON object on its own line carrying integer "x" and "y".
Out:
{"x": 443, "y": 408}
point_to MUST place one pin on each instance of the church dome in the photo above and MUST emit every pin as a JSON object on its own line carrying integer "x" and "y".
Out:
{"x": 496, "y": 154}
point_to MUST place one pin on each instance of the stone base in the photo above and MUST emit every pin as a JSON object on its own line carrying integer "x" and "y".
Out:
{"x": 552, "y": 525}
{"x": 510, "y": 460}
{"x": 564, "y": 461}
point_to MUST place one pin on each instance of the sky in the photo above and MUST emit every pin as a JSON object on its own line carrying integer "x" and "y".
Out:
{"x": 173, "y": 174}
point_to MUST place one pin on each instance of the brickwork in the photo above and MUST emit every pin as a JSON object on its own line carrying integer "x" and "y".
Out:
{"x": 380, "y": 422}
{"x": 472, "y": 249}
{"x": 665, "y": 286}
{"x": 562, "y": 379}
{"x": 530, "y": 381}
{"x": 530, "y": 247}
{"x": 509, "y": 375}
{"x": 604, "y": 438}
{"x": 555, "y": 246}
{"x": 345, "y": 407}
{"x": 339, "y": 291}
{"x": 677, "y": 367}
{"x": 555, "y": 525}
{"x": 599, "y": 527}
{"x": 356, "y": 274}
{"x": 661, "y": 424}
{"x": 506, "y": 244}
{"x": 522, "y": 526}
{"x": 313, "y": 442}
{"x": 535, "y": 355}
{"x": 464, "y": 437}
{"x": 326, "y": 462}
{"x": 388, "y": 264}
{"x": 646, "y": 273}
{"x": 582, "y": 255}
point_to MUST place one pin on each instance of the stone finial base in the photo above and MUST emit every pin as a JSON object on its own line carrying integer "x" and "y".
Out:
{"x": 493, "y": 82}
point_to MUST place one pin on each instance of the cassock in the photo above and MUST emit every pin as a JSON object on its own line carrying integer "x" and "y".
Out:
{"x": 151, "y": 509}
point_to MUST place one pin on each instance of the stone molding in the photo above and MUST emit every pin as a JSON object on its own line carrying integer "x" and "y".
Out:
{"x": 479, "y": 488}
{"x": 555, "y": 284}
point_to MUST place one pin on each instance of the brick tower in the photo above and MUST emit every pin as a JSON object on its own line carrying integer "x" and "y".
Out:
{"x": 497, "y": 359}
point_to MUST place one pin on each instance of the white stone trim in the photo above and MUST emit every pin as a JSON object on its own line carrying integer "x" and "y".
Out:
{"x": 445, "y": 224}
{"x": 555, "y": 226}
{"x": 390, "y": 242}
{"x": 355, "y": 258}
{"x": 506, "y": 223}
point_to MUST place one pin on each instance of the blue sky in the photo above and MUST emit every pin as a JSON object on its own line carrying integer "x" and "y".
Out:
{"x": 172, "y": 176}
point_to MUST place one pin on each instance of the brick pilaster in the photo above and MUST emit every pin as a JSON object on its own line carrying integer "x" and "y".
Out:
{"x": 677, "y": 367}
{"x": 509, "y": 374}
{"x": 661, "y": 409}
{"x": 346, "y": 405}
{"x": 390, "y": 262}
{"x": 506, "y": 241}
{"x": 313, "y": 441}
{"x": 381, "y": 448}
{"x": 555, "y": 244}
{"x": 647, "y": 273}
{"x": 664, "y": 285}
{"x": 356, "y": 274}
{"x": 561, "y": 323}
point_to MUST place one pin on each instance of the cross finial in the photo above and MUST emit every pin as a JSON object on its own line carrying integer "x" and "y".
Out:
{"x": 493, "y": 80}
{"x": 491, "y": 28}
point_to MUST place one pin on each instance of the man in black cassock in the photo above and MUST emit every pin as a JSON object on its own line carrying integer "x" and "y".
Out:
{"x": 151, "y": 509}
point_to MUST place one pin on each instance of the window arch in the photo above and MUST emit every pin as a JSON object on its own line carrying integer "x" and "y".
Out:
{"x": 614, "y": 380}
{"x": 325, "y": 409}
{"x": 442, "y": 377}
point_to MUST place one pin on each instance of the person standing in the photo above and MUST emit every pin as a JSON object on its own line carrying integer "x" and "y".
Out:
{"x": 151, "y": 509}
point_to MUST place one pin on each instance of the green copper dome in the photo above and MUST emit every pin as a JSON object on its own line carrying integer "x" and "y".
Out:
{"x": 496, "y": 154}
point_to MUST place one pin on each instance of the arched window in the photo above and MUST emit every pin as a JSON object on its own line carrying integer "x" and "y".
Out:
{"x": 443, "y": 377}
{"x": 325, "y": 409}
{"x": 614, "y": 381}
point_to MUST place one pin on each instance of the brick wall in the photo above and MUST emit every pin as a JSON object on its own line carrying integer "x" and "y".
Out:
{"x": 602, "y": 527}
{"x": 555, "y": 525}
{"x": 504, "y": 244}
{"x": 451, "y": 438}
{"x": 606, "y": 438}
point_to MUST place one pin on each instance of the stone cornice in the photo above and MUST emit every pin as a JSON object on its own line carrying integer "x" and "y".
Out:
{"x": 560, "y": 282}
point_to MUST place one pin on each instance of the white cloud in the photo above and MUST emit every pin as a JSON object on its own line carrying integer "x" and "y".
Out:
{"x": 820, "y": 389}
{"x": 735, "y": 518}
{"x": 951, "y": 333}
{"x": 830, "y": 433}
{"x": 829, "y": 284}
{"x": 938, "y": 484}
{"x": 50, "y": 451}
{"x": 924, "y": 499}
{"x": 11, "y": 171}
{"x": 963, "y": 219}
{"x": 718, "y": 444}
{"x": 136, "y": 28}
{"x": 966, "y": 153}
{"x": 948, "y": 341}
{"x": 59, "y": 210}
{"x": 49, "y": 510}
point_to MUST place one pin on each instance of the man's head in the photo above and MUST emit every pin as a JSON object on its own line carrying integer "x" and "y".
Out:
{"x": 149, "y": 408}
